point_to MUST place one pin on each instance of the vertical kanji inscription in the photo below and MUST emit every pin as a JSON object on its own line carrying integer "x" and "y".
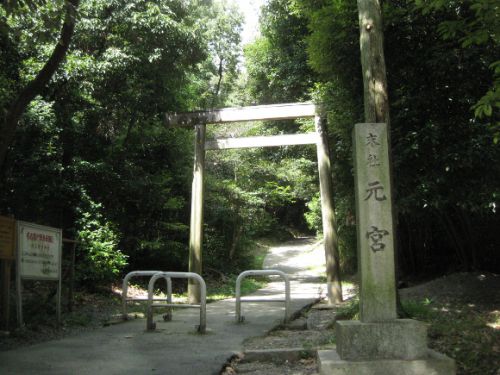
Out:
{"x": 375, "y": 223}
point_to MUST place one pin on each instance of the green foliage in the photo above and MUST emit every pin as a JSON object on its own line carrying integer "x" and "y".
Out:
{"x": 223, "y": 28}
{"x": 91, "y": 154}
{"x": 438, "y": 143}
{"x": 420, "y": 310}
{"x": 19, "y": 5}
{"x": 101, "y": 260}
{"x": 240, "y": 205}
{"x": 473, "y": 24}
{"x": 252, "y": 193}
{"x": 313, "y": 216}
{"x": 463, "y": 331}
{"x": 277, "y": 62}
{"x": 9, "y": 63}
{"x": 349, "y": 310}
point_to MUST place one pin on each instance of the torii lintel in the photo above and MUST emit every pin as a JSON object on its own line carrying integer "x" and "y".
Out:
{"x": 242, "y": 114}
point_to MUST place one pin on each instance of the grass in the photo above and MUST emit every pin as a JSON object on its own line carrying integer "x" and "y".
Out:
{"x": 464, "y": 332}
{"x": 228, "y": 289}
{"x": 349, "y": 310}
{"x": 420, "y": 310}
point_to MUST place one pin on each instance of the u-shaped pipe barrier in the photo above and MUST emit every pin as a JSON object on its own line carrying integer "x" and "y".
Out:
{"x": 125, "y": 299}
{"x": 150, "y": 325}
{"x": 241, "y": 276}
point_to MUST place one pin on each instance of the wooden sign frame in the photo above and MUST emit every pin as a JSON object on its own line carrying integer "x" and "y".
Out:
{"x": 43, "y": 236}
{"x": 7, "y": 238}
{"x": 7, "y": 256}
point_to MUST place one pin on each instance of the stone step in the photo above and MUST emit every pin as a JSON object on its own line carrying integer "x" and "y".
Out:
{"x": 329, "y": 363}
{"x": 320, "y": 319}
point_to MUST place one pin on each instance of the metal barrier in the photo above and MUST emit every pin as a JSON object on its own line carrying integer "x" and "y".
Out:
{"x": 150, "y": 325}
{"x": 241, "y": 276}
{"x": 125, "y": 299}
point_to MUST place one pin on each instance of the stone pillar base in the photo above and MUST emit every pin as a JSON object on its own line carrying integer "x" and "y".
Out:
{"x": 434, "y": 363}
{"x": 394, "y": 339}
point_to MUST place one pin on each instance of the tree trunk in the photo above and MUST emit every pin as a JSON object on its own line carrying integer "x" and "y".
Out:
{"x": 376, "y": 99}
{"x": 219, "y": 83}
{"x": 34, "y": 88}
{"x": 237, "y": 232}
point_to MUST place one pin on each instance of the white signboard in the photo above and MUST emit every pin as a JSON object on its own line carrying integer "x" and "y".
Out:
{"x": 39, "y": 251}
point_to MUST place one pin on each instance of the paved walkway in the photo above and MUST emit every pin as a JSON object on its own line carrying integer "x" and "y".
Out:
{"x": 174, "y": 348}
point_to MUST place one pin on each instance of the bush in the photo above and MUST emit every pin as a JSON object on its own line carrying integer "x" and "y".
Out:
{"x": 101, "y": 261}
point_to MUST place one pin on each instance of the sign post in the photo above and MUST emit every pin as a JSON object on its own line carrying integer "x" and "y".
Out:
{"x": 39, "y": 251}
{"x": 7, "y": 255}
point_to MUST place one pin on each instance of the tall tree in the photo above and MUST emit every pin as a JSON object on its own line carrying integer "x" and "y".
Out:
{"x": 225, "y": 28}
{"x": 34, "y": 87}
{"x": 373, "y": 61}
{"x": 93, "y": 145}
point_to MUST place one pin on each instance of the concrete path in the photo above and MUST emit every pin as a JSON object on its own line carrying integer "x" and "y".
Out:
{"x": 175, "y": 348}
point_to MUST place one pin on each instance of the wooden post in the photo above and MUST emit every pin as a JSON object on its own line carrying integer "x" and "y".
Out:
{"x": 334, "y": 287}
{"x": 19, "y": 295}
{"x": 196, "y": 227}
{"x": 7, "y": 255}
{"x": 71, "y": 283}
{"x": 6, "y": 268}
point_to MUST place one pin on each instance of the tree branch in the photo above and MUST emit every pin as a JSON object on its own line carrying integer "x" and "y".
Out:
{"x": 43, "y": 77}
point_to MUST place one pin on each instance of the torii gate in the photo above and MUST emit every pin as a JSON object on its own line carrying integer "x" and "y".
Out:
{"x": 200, "y": 119}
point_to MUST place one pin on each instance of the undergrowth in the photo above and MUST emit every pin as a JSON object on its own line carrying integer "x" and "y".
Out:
{"x": 464, "y": 332}
{"x": 468, "y": 333}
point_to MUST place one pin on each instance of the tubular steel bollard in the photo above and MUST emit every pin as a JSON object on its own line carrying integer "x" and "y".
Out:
{"x": 241, "y": 276}
{"x": 150, "y": 325}
{"x": 125, "y": 299}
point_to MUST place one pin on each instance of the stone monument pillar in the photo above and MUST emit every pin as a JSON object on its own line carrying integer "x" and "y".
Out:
{"x": 375, "y": 228}
{"x": 379, "y": 343}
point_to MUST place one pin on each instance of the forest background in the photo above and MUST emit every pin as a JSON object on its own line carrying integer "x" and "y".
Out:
{"x": 90, "y": 153}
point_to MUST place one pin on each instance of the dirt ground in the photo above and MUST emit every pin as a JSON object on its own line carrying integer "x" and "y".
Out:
{"x": 478, "y": 288}
{"x": 90, "y": 311}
